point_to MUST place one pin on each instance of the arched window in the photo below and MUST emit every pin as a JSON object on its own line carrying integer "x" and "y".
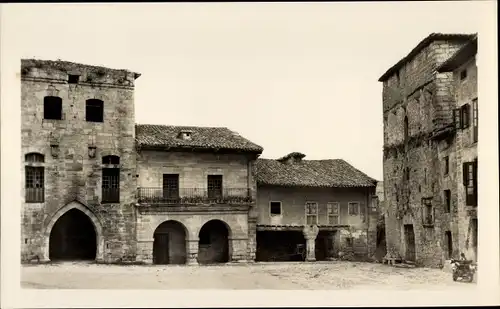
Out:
{"x": 406, "y": 128}
{"x": 110, "y": 179}
{"x": 34, "y": 185}
{"x": 52, "y": 108}
{"x": 94, "y": 110}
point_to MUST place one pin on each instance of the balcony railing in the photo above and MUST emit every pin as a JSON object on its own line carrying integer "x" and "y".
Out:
{"x": 193, "y": 196}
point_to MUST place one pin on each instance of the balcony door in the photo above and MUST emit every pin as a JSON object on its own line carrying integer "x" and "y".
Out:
{"x": 171, "y": 187}
{"x": 214, "y": 186}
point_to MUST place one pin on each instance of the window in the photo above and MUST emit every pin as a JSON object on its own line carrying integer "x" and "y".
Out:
{"x": 111, "y": 179}
{"x": 311, "y": 213}
{"x": 275, "y": 208}
{"x": 73, "y": 79}
{"x": 333, "y": 213}
{"x": 353, "y": 208}
{"x": 52, "y": 108}
{"x": 470, "y": 182}
{"x": 406, "y": 129}
{"x": 214, "y": 186}
{"x": 463, "y": 74}
{"x": 427, "y": 212}
{"x": 171, "y": 186}
{"x": 34, "y": 178}
{"x": 407, "y": 173}
{"x": 447, "y": 201}
{"x": 446, "y": 165}
{"x": 474, "y": 121}
{"x": 94, "y": 110}
{"x": 461, "y": 117}
{"x": 425, "y": 177}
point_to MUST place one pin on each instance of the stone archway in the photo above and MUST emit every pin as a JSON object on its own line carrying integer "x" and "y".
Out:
{"x": 170, "y": 242}
{"x": 73, "y": 233}
{"x": 214, "y": 244}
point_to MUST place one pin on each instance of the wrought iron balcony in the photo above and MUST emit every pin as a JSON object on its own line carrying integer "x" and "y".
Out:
{"x": 195, "y": 196}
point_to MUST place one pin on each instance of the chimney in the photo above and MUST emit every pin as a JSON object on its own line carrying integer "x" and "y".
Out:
{"x": 291, "y": 158}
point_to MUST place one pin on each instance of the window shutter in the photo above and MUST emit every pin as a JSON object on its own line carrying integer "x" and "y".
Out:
{"x": 465, "y": 116}
{"x": 456, "y": 118}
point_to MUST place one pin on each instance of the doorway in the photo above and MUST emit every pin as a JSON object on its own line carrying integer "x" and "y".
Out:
{"x": 213, "y": 244}
{"x": 169, "y": 244}
{"x": 449, "y": 244}
{"x": 73, "y": 237}
{"x": 409, "y": 242}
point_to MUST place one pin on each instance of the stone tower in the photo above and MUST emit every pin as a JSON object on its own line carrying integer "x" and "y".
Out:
{"x": 79, "y": 163}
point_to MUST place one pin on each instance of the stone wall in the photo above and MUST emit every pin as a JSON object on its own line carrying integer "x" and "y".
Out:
{"x": 413, "y": 164}
{"x": 71, "y": 174}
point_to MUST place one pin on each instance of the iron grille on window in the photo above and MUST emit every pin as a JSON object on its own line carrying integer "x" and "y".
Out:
{"x": 333, "y": 212}
{"x": 110, "y": 185}
{"x": 34, "y": 190}
{"x": 214, "y": 186}
{"x": 311, "y": 213}
{"x": 171, "y": 186}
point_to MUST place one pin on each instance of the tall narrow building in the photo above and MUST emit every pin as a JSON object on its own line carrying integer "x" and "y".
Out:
{"x": 420, "y": 178}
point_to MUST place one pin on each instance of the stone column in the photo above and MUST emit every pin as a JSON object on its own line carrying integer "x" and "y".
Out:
{"x": 192, "y": 252}
{"x": 310, "y": 233}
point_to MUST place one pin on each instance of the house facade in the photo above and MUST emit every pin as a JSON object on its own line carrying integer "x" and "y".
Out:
{"x": 420, "y": 154}
{"x": 462, "y": 233}
{"x": 313, "y": 210}
{"x": 196, "y": 189}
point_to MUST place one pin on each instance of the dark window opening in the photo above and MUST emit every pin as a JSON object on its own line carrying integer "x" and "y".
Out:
{"x": 73, "y": 79}
{"x": 114, "y": 160}
{"x": 447, "y": 201}
{"x": 171, "y": 186}
{"x": 34, "y": 158}
{"x": 463, "y": 74}
{"x": 474, "y": 121}
{"x": 425, "y": 177}
{"x": 110, "y": 185}
{"x": 52, "y": 108}
{"x": 34, "y": 186}
{"x": 275, "y": 208}
{"x": 470, "y": 182}
{"x": 94, "y": 110}
{"x": 214, "y": 186}
{"x": 446, "y": 165}
{"x": 349, "y": 242}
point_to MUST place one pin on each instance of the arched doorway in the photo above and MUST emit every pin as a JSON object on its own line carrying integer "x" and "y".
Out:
{"x": 169, "y": 246}
{"x": 213, "y": 243}
{"x": 73, "y": 237}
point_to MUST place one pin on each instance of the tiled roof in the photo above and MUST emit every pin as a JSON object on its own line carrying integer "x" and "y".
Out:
{"x": 208, "y": 138}
{"x": 311, "y": 173}
{"x": 460, "y": 57}
{"x": 420, "y": 46}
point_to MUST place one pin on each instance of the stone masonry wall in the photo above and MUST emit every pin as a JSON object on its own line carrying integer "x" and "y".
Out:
{"x": 73, "y": 175}
{"x": 411, "y": 167}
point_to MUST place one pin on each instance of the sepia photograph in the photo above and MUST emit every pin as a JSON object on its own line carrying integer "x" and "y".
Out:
{"x": 187, "y": 148}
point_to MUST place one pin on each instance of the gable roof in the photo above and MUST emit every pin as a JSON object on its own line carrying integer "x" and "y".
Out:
{"x": 420, "y": 46}
{"x": 465, "y": 53}
{"x": 311, "y": 173}
{"x": 202, "y": 138}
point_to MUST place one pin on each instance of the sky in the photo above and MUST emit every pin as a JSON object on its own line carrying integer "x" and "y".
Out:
{"x": 287, "y": 76}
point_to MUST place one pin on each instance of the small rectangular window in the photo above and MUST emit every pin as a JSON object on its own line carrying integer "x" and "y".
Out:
{"x": 446, "y": 165}
{"x": 311, "y": 213}
{"x": 73, "y": 79}
{"x": 52, "y": 108}
{"x": 94, "y": 110}
{"x": 463, "y": 74}
{"x": 427, "y": 212}
{"x": 447, "y": 201}
{"x": 333, "y": 213}
{"x": 353, "y": 209}
{"x": 275, "y": 208}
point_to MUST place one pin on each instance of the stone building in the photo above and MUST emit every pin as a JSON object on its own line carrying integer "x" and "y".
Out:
{"x": 196, "y": 190}
{"x": 420, "y": 178}
{"x": 313, "y": 210}
{"x": 77, "y": 137}
{"x": 462, "y": 233}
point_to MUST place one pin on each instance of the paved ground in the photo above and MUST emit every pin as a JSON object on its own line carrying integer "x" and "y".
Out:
{"x": 282, "y": 276}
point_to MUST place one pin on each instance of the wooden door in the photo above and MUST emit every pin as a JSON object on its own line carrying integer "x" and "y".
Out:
{"x": 161, "y": 249}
